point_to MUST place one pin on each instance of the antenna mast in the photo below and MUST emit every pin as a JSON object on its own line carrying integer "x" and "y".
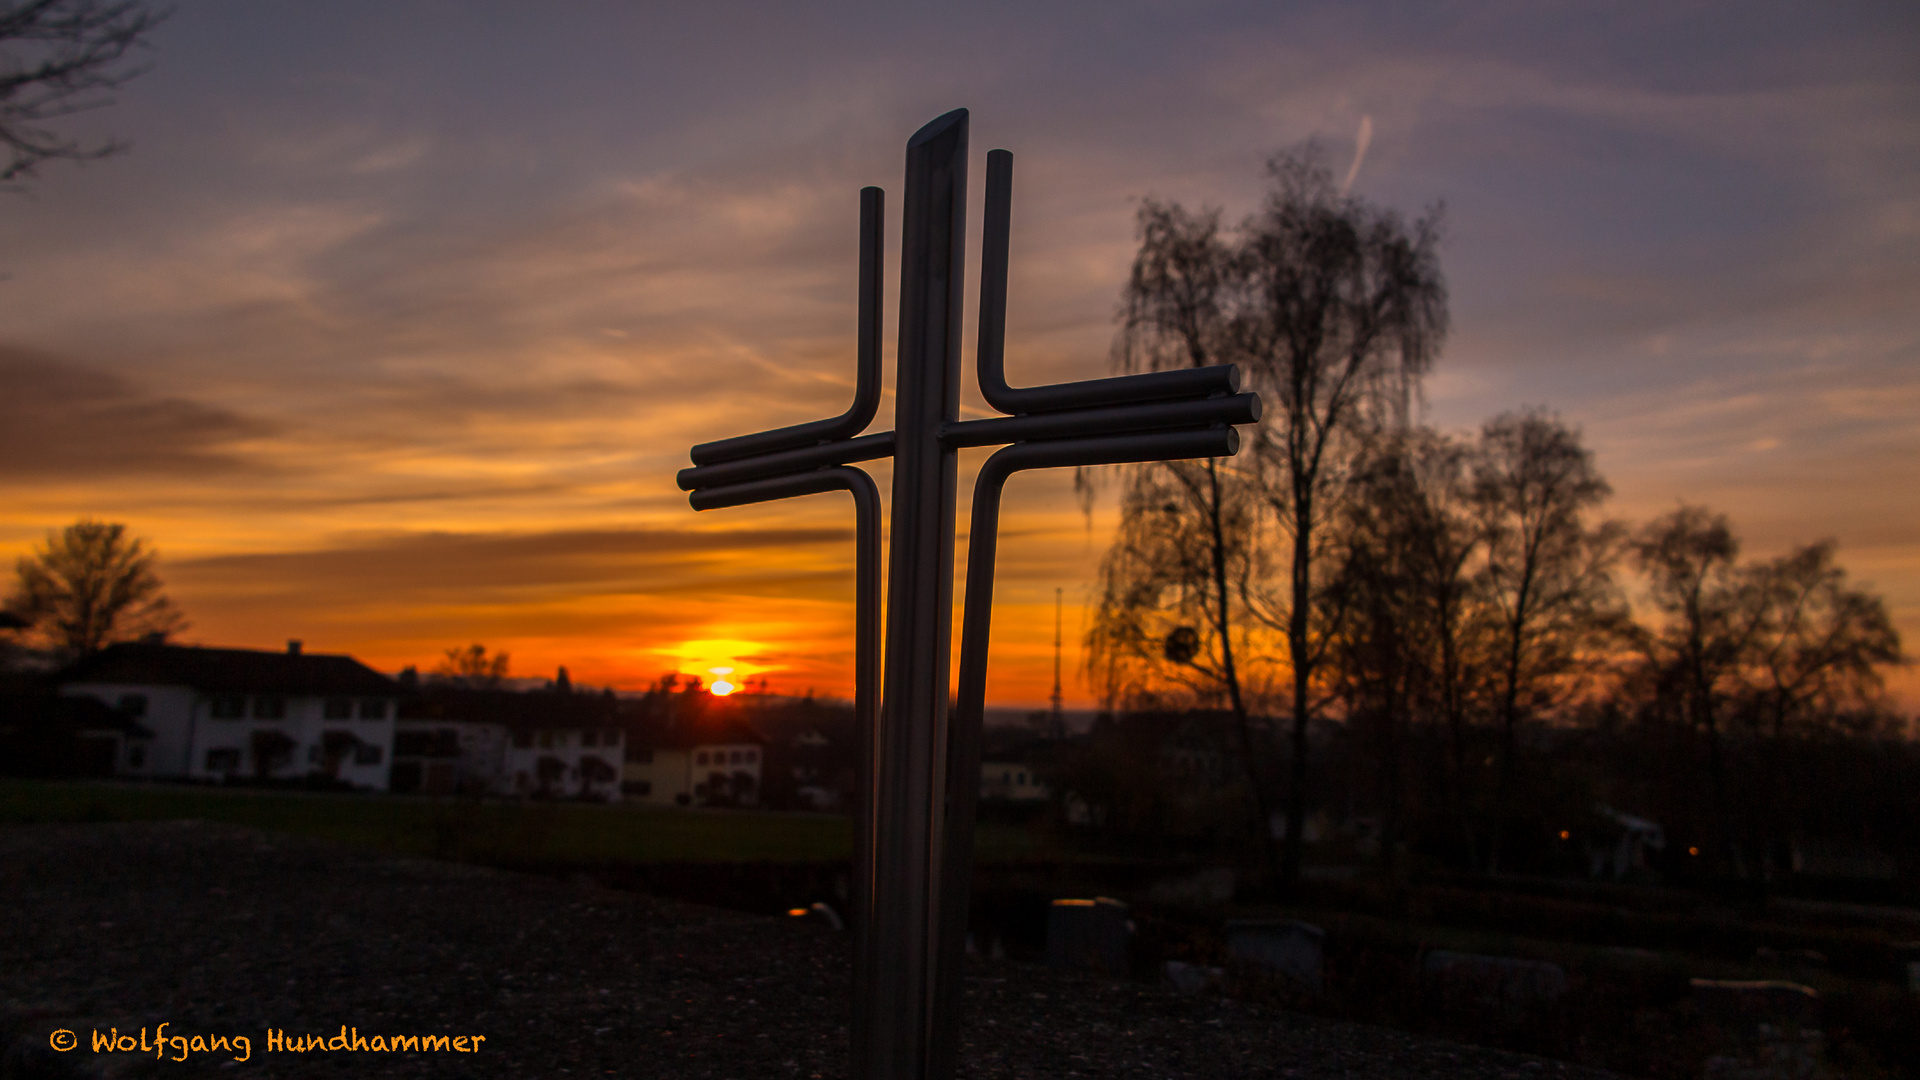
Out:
{"x": 1058, "y": 721}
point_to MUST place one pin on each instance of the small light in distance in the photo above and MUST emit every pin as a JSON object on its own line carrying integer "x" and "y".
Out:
{"x": 1565, "y": 835}
{"x": 796, "y": 912}
{"x": 1693, "y": 851}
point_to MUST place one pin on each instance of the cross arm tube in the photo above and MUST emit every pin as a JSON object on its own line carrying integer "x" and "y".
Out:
{"x": 866, "y": 393}
{"x": 963, "y": 732}
{"x": 1150, "y": 386}
{"x": 866, "y": 669}
{"x": 785, "y": 462}
{"x": 1160, "y": 416}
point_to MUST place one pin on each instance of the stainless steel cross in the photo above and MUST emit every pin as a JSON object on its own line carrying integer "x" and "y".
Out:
{"x": 914, "y": 823}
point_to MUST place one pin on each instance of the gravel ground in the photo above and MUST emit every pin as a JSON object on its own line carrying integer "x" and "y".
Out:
{"x": 219, "y": 930}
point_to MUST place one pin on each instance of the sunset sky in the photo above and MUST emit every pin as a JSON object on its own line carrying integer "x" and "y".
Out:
{"x": 395, "y": 320}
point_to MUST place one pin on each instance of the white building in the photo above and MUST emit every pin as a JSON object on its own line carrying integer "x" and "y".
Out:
{"x": 543, "y": 744}
{"x": 716, "y": 763}
{"x": 221, "y": 714}
{"x": 1011, "y": 781}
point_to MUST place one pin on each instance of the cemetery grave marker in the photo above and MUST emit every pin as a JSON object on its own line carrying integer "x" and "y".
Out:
{"x": 915, "y": 823}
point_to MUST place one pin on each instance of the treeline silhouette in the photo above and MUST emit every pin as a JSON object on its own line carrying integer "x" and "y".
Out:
{"x": 1500, "y": 680}
{"x": 1437, "y": 643}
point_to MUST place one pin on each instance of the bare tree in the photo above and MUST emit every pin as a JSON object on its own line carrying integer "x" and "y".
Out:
{"x": 1708, "y": 623}
{"x": 1342, "y": 310}
{"x": 1784, "y": 649}
{"x": 1549, "y": 576}
{"x": 472, "y": 667}
{"x": 1335, "y": 309}
{"x": 89, "y": 586}
{"x": 59, "y": 57}
{"x": 1184, "y": 551}
{"x": 1821, "y": 643}
{"x": 1412, "y": 578}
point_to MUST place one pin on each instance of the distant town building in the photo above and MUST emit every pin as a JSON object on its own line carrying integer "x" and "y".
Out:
{"x": 220, "y": 714}
{"x": 673, "y": 761}
{"x": 1011, "y": 781}
{"x": 542, "y": 744}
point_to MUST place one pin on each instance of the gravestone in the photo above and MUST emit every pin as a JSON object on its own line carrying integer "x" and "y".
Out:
{"x": 1508, "y": 986}
{"x": 1291, "y": 949}
{"x": 1089, "y": 935}
{"x": 1747, "y": 1009}
{"x": 1770, "y": 1029}
{"x": 1192, "y": 978}
{"x": 1210, "y": 885}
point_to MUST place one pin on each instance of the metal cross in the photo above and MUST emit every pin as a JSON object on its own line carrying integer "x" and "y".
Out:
{"x": 920, "y": 766}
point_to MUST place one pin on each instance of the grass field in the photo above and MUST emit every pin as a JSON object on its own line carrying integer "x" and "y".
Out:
{"x": 479, "y": 831}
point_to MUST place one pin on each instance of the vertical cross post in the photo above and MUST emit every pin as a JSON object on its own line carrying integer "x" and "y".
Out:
{"x": 915, "y": 830}
{"x": 913, "y": 712}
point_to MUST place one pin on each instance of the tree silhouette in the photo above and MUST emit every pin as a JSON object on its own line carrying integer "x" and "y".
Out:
{"x": 89, "y": 586}
{"x": 1777, "y": 652}
{"x": 1552, "y": 605}
{"x": 1334, "y": 309}
{"x": 472, "y": 667}
{"x": 59, "y": 57}
{"x": 1345, "y": 309}
{"x": 1708, "y": 623}
{"x": 1821, "y": 643}
{"x": 1411, "y": 576}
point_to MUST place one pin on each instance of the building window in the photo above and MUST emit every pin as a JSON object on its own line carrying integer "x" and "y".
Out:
{"x": 366, "y": 754}
{"x": 339, "y": 708}
{"x": 223, "y": 761}
{"x": 751, "y": 756}
{"x": 268, "y": 707}
{"x": 546, "y": 740}
{"x": 637, "y": 787}
{"x": 227, "y": 707}
{"x": 609, "y": 738}
{"x": 523, "y": 740}
{"x": 589, "y": 738}
{"x": 137, "y": 756}
{"x": 133, "y": 704}
{"x": 641, "y": 757}
{"x": 700, "y": 758}
{"x": 373, "y": 708}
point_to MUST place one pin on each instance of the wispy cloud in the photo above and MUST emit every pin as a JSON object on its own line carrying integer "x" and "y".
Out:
{"x": 65, "y": 423}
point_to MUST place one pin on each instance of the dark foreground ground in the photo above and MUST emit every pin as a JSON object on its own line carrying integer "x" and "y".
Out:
{"x": 220, "y": 930}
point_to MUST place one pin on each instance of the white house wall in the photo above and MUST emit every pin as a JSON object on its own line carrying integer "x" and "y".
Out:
{"x": 185, "y": 731}
{"x": 523, "y": 765}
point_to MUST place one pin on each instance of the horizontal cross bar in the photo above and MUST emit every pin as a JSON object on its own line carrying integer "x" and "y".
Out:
{"x": 1024, "y": 400}
{"x": 866, "y": 391}
{"x": 1117, "y": 389}
{"x": 841, "y": 452}
{"x": 1116, "y": 420}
